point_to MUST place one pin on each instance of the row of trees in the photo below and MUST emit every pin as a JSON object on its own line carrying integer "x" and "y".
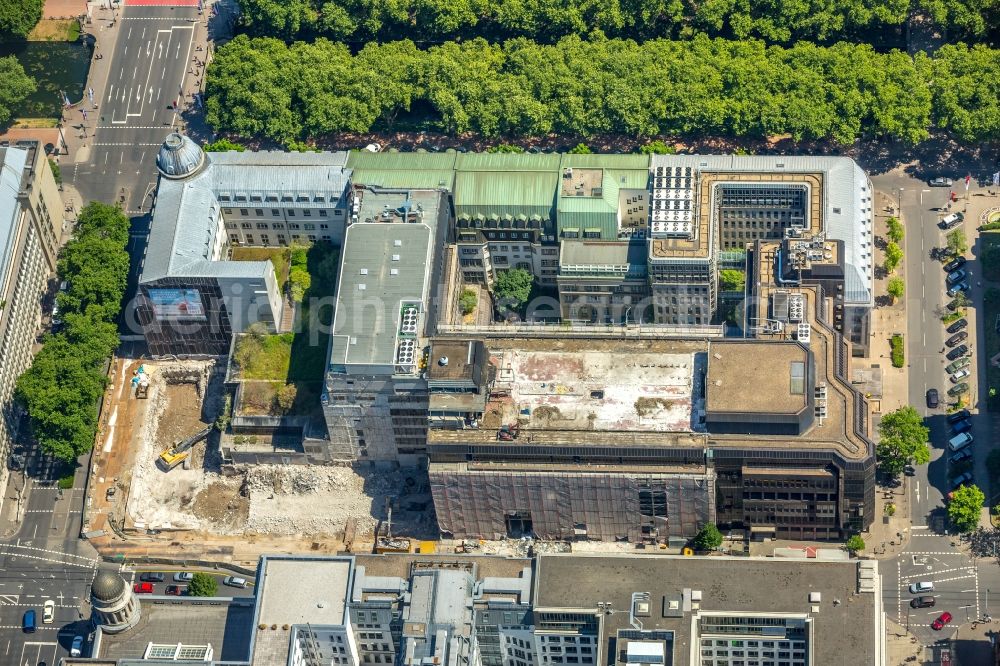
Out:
{"x": 61, "y": 390}
{"x": 780, "y": 21}
{"x": 265, "y": 88}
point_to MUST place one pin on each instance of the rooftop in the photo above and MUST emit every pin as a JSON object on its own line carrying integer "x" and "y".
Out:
{"x": 843, "y": 621}
{"x": 298, "y": 590}
{"x": 185, "y": 236}
{"x": 227, "y": 627}
{"x": 840, "y": 203}
{"x": 12, "y": 164}
{"x": 739, "y": 371}
{"x": 585, "y": 254}
{"x": 592, "y": 390}
{"x": 461, "y": 358}
{"x": 384, "y": 271}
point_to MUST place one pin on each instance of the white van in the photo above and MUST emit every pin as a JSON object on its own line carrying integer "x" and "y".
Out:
{"x": 959, "y": 441}
{"x": 953, "y": 220}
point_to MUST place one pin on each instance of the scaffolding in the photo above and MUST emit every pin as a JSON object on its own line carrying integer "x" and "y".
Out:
{"x": 564, "y": 505}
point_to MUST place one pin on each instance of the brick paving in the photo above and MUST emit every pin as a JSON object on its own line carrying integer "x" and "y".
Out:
{"x": 64, "y": 9}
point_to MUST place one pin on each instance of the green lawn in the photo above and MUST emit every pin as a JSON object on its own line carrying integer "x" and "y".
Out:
{"x": 269, "y": 358}
{"x": 278, "y": 256}
{"x": 299, "y": 356}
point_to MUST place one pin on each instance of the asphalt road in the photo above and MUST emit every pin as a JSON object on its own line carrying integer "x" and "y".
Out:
{"x": 964, "y": 586}
{"x": 44, "y": 559}
{"x": 150, "y": 60}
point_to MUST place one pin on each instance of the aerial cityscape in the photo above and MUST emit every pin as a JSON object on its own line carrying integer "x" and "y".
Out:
{"x": 439, "y": 333}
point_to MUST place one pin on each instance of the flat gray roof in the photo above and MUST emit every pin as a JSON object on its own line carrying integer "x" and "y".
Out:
{"x": 12, "y": 163}
{"x": 845, "y": 620}
{"x": 597, "y": 252}
{"x": 384, "y": 266}
{"x": 298, "y": 590}
{"x": 184, "y": 230}
{"x": 227, "y": 627}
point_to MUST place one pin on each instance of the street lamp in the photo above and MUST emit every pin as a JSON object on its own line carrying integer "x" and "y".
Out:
{"x": 899, "y": 200}
{"x": 627, "y": 310}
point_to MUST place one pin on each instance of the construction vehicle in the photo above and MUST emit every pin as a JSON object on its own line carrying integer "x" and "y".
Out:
{"x": 140, "y": 382}
{"x": 387, "y": 543}
{"x": 508, "y": 432}
{"x": 178, "y": 453}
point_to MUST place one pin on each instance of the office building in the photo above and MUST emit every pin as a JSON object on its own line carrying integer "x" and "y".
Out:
{"x": 646, "y": 440}
{"x": 555, "y": 610}
{"x": 192, "y": 297}
{"x": 375, "y": 394}
{"x": 31, "y": 231}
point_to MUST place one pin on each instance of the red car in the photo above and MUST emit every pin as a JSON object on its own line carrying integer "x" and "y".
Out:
{"x": 143, "y": 588}
{"x": 177, "y": 590}
{"x": 939, "y": 623}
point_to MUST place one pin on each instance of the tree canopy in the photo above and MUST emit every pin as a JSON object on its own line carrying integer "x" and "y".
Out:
{"x": 262, "y": 87}
{"x": 780, "y": 21}
{"x": 708, "y": 538}
{"x": 17, "y": 18}
{"x": 61, "y": 389}
{"x": 964, "y": 508}
{"x": 514, "y": 285}
{"x": 902, "y": 440}
{"x": 16, "y": 87}
{"x": 202, "y": 585}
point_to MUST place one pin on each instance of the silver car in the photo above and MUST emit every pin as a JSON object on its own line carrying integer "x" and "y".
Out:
{"x": 941, "y": 181}
{"x": 960, "y": 375}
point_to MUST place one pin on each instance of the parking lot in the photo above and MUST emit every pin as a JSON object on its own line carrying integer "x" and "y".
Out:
{"x": 146, "y": 576}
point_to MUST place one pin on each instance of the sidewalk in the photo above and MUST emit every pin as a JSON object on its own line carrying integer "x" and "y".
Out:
{"x": 888, "y": 536}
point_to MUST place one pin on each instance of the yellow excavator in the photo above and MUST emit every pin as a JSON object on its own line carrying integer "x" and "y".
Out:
{"x": 178, "y": 453}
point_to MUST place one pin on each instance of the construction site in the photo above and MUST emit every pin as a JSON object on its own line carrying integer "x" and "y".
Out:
{"x": 166, "y": 476}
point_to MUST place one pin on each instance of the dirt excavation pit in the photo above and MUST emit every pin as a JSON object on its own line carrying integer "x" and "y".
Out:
{"x": 185, "y": 397}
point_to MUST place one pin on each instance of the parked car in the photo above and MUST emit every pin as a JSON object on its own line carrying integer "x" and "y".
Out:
{"x": 909, "y": 470}
{"x": 234, "y": 581}
{"x": 958, "y": 325}
{"x": 959, "y": 442}
{"x": 48, "y": 611}
{"x": 961, "y": 426}
{"x": 951, "y": 221}
{"x": 961, "y": 480}
{"x": 152, "y": 577}
{"x": 921, "y": 587}
{"x": 958, "y": 389}
{"x": 941, "y": 181}
{"x": 76, "y": 649}
{"x": 953, "y": 304}
{"x": 954, "y": 366}
{"x": 954, "y": 264}
{"x": 961, "y": 350}
{"x": 964, "y": 454}
{"x": 28, "y": 621}
{"x": 955, "y": 276}
{"x": 960, "y": 415}
{"x": 960, "y": 375}
{"x": 183, "y": 577}
{"x": 923, "y": 602}
{"x": 932, "y": 398}
{"x": 176, "y": 590}
{"x": 943, "y": 619}
{"x": 961, "y": 336}
{"x": 957, "y": 287}
{"x": 143, "y": 588}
